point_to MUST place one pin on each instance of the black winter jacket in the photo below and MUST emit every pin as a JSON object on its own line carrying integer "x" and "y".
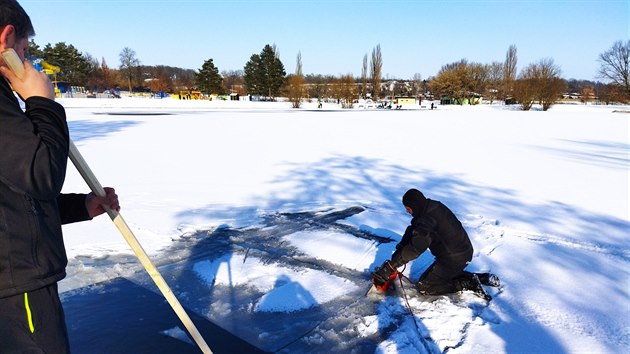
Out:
{"x": 33, "y": 158}
{"x": 439, "y": 230}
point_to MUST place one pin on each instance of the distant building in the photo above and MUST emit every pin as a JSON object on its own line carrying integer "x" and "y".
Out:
{"x": 405, "y": 100}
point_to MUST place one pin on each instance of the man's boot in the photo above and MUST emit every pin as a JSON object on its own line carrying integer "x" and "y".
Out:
{"x": 471, "y": 282}
{"x": 489, "y": 279}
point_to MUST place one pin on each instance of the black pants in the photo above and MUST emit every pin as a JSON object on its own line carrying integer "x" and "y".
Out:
{"x": 441, "y": 278}
{"x": 33, "y": 323}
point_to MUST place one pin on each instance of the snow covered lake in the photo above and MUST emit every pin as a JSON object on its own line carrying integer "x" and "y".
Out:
{"x": 266, "y": 221}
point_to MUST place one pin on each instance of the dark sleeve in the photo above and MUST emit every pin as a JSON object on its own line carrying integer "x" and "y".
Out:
{"x": 406, "y": 238}
{"x": 34, "y": 144}
{"x": 415, "y": 241}
{"x": 72, "y": 208}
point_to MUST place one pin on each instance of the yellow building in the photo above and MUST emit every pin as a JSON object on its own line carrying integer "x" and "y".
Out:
{"x": 405, "y": 100}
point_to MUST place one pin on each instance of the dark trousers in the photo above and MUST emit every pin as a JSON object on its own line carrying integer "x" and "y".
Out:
{"x": 33, "y": 323}
{"x": 441, "y": 278}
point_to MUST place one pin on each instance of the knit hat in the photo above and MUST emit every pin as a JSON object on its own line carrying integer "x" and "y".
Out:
{"x": 415, "y": 200}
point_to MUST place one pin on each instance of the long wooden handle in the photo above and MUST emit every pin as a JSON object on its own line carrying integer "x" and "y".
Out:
{"x": 95, "y": 186}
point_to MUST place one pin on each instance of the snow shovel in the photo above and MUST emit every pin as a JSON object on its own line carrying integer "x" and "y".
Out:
{"x": 95, "y": 186}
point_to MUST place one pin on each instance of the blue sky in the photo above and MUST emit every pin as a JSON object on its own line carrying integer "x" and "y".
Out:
{"x": 416, "y": 36}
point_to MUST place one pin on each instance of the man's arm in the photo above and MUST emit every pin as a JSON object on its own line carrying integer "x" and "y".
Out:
{"x": 414, "y": 242}
{"x": 72, "y": 208}
{"x": 418, "y": 239}
{"x": 81, "y": 207}
{"x": 34, "y": 145}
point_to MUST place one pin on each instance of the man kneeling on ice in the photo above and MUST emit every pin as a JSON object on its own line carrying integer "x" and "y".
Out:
{"x": 434, "y": 226}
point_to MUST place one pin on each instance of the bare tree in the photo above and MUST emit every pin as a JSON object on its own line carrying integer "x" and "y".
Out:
{"x": 541, "y": 82}
{"x": 416, "y": 86}
{"x": 509, "y": 70}
{"x": 495, "y": 79}
{"x": 587, "y": 93}
{"x": 319, "y": 86}
{"x": 475, "y": 81}
{"x": 296, "y": 84}
{"x": 376, "y": 71}
{"x": 276, "y": 51}
{"x": 461, "y": 81}
{"x": 525, "y": 91}
{"x": 160, "y": 79}
{"x": 615, "y": 65}
{"x": 110, "y": 76}
{"x": 609, "y": 93}
{"x": 345, "y": 90}
{"x": 364, "y": 80}
{"x": 448, "y": 82}
{"x": 128, "y": 64}
{"x": 233, "y": 81}
{"x": 550, "y": 85}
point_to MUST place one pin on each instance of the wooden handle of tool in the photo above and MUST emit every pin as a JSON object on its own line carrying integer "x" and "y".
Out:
{"x": 95, "y": 186}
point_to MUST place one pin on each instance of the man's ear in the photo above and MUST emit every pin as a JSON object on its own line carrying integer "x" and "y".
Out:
{"x": 7, "y": 37}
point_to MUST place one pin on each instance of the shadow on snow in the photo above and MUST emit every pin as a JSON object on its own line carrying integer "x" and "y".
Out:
{"x": 84, "y": 130}
{"x": 345, "y": 180}
{"x": 339, "y": 182}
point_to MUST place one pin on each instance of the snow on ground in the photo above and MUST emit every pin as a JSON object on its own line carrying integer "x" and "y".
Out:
{"x": 543, "y": 195}
{"x": 275, "y": 282}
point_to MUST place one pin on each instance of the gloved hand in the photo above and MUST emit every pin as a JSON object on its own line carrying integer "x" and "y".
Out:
{"x": 382, "y": 276}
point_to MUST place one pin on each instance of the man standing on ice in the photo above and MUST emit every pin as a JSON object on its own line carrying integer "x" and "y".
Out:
{"x": 435, "y": 227}
{"x": 33, "y": 158}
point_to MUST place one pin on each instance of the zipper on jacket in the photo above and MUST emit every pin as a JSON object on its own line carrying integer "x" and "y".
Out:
{"x": 33, "y": 209}
{"x": 35, "y": 228}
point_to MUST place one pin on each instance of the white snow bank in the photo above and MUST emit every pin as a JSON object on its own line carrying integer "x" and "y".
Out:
{"x": 335, "y": 247}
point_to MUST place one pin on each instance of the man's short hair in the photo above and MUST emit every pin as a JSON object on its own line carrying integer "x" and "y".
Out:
{"x": 11, "y": 13}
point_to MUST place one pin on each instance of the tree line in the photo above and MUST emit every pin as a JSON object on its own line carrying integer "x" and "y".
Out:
{"x": 82, "y": 69}
{"x": 264, "y": 77}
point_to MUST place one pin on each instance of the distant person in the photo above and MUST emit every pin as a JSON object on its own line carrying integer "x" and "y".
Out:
{"x": 33, "y": 158}
{"x": 435, "y": 227}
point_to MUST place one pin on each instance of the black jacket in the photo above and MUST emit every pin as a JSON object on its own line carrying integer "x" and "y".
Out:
{"x": 33, "y": 159}
{"x": 435, "y": 228}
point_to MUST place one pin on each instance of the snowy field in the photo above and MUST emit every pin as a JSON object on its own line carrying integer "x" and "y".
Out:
{"x": 267, "y": 220}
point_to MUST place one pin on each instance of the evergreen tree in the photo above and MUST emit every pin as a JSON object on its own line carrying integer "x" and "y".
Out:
{"x": 33, "y": 50}
{"x": 252, "y": 76}
{"x": 264, "y": 73}
{"x": 75, "y": 68}
{"x": 208, "y": 79}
